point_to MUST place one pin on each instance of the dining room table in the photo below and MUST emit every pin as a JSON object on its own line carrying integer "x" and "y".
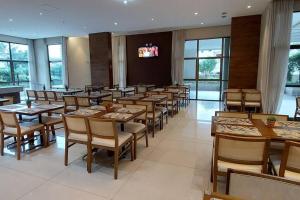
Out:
{"x": 96, "y": 96}
{"x": 135, "y": 97}
{"x": 124, "y": 91}
{"x": 35, "y": 109}
{"x": 282, "y": 130}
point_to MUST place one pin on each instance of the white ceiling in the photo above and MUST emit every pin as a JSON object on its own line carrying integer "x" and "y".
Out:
{"x": 22, "y": 18}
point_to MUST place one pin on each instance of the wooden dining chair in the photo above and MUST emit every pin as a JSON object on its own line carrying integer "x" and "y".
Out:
{"x": 10, "y": 101}
{"x": 31, "y": 94}
{"x": 138, "y": 127}
{"x": 116, "y": 94}
{"x": 76, "y": 132}
{"x": 240, "y": 153}
{"x": 233, "y": 100}
{"x": 83, "y": 102}
{"x": 232, "y": 114}
{"x": 257, "y": 186}
{"x": 10, "y": 126}
{"x": 290, "y": 161}
{"x": 127, "y": 102}
{"x": 51, "y": 96}
{"x": 172, "y": 102}
{"x": 41, "y": 95}
{"x": 264, "y": 117}
{"x": 105, "y": 135}
{"x": 153, "y": 115}
{"x": 252, "y": 100}
{"x": 297, "y": 111}
{"x": 59, "y": 96}
{"x": 70, "y": 103}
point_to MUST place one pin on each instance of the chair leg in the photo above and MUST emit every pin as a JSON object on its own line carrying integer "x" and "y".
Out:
{"x": 89, "y": 158}
{"x": 153, "y": 123}
{"x": 66, "y": 152}
{"x": 2, "y": 144}
{"x": 132, "y": 150}
{"x": 135, "y": 145}
{"x": 146, "y": 137}
{"x": 167, "y": 117}
{"x": 44, "y": 136}
{"x": 18, "y": 148}
{"x": 116, "y": 163}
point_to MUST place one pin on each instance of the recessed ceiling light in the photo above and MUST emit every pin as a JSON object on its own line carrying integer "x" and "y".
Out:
{"x": 116, "y": 23}
{"x": 249, "y": 6}
{"x": 196, "y": 13}
{"x": 84, "y": 27}
{"x": 10, "y": 20}
{"x": 125, "y": 2}
{"x": 202, "y": 23}
{"x": 152, "y": 19}
{"x": 41, "y": 13}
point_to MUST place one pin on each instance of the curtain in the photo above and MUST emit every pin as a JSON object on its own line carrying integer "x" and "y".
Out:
{"x": 178, "y": 39}
{"x": 119, "y": 60}
{"x": 274, "y": 53}
{"x": 32, "y": 65}
{"x": 65, "y": 76}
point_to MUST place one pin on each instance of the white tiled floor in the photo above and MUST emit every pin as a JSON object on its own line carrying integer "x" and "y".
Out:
{"x": 175, "y": 166}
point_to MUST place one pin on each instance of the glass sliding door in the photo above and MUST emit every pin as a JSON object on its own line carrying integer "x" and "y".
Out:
{"x": 206, "y": 67}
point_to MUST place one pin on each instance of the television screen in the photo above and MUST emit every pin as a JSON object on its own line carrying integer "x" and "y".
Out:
{"x": 148, "y": 52}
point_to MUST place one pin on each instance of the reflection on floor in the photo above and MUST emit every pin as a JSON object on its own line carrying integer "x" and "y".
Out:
{"x": 175, "y": 166}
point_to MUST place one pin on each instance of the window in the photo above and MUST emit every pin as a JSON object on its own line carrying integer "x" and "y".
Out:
{"x": 14, "y": 69}
{"x": 206, "y": 67}
{"x": 55, "y": 65}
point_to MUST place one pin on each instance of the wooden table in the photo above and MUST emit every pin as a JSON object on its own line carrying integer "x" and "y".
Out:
{"x": 95, "y": 96}
{"x": 218, "y": 196}
{"x": 85, "y": 112}
{"x": 132, "y": 98}
{"x": 262, "y": 128}
{"x": 36, "y": 109}
{"x": 122, "y": 117}
{"x": 124, "y": 91}
{"x": 156, "y": 98}
{"x": 3, "y": 101}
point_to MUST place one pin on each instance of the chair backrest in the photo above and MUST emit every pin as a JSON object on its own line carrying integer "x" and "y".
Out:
{"x": 290, "y": 158}
{"x": 253, "y": 97}
{"x": 141, "y": 89}
{"x": 10, "y": 100}
{"x": 234, "y": 96}
{"x": 233, "y": 90}
{"x": 253, "y": 186}
{"x": 242, "y": 150}
{"x": 298, "y": 102}
{"x": 41, "y": 95}
{"x": 232, "y": 114}
{"x": 144, "y": 107}
{"x": 70, "y": 100}
{"x": 264, "y": 117}
{"x": 9, "y": 119}
{"x": 150, "y": 93}
{"x": 103, "y": 128}
{"x": 75, "y": 125}
{"x": 59, "y": 96}
{"x": 170, "y": 95}
{"x": 42, "y": 102}
{"x": 149, "y": 104}
{"x": 108, "y": 98}
{"x": 116, "y": 94}
{"x": 31, "y": 94}
{"x": 83, "y": 101}
{"x": 51, "y": 96}
{"x": 126, "y": 102}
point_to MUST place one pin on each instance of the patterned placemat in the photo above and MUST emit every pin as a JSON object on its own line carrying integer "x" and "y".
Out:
{"x": 97, "y": 107}
{"x": 114, "y": 115}
{"x": 233, "y": 121}
{"x": 239, "y": 130}
{"x": 287, "y": 133}
{"x": 85, "y": 112}
{"x": 291, "y": 124}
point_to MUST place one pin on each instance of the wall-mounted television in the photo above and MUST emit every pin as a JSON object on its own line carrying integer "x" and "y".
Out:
{"x": 148, "y": 52}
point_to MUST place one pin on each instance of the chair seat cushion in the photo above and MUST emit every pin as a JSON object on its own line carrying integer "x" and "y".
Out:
{"x": 157, "y": 114}
{"x": 25, "y": 129}
{"x": 122, "y": 138}
{"x": 162, "y": 109}
{"x": 252, "y": 104}
{"x": 234, "y": 103}
{"x": 172, "y": 103}
{"x": 78, "y": 137}
{"x": 224, "y": 166}
{"x": 49, "y": 120}
{"x": 134, "y": 127}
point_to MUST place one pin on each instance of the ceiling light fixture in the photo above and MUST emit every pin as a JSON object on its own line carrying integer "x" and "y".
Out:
{"x": 202, "y": 23}
{"x": 196, "y": 13}
{"x": 125, "y": 2}
{"x": 10, "y": 20}
{"x": 116, "y": 23}
{"x": 41, "y": 13}
{"x": 249, "y": 6}
{"x": 152, "y": 19}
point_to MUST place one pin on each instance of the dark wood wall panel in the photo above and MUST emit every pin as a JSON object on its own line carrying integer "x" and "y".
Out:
{"x": 155, "y": 70}
{"x": 245, "y": 40}
{"x": 101, "y": 58}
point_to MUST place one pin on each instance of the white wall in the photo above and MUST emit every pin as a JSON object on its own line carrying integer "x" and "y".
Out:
{"x": 208, "y": 32}
{"x": 79, "y": 70}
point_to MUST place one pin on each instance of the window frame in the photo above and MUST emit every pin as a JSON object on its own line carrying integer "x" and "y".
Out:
{"x": 198, "y": 58}
{"x": 56, "y": 61}
{"x": 11, "y": 64}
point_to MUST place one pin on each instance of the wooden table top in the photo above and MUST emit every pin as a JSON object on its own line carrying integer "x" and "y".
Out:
{"x": 94, "y": 96}
{"x": 155, "y": 98}
{"x": 132, "y": 98}
{"x": 218, "y": 196}
{"x": 3, "y": 100}
{"x": 35, "y": 109}
{"x": 262, "y": 128}
{"x": 122, "y": 117}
